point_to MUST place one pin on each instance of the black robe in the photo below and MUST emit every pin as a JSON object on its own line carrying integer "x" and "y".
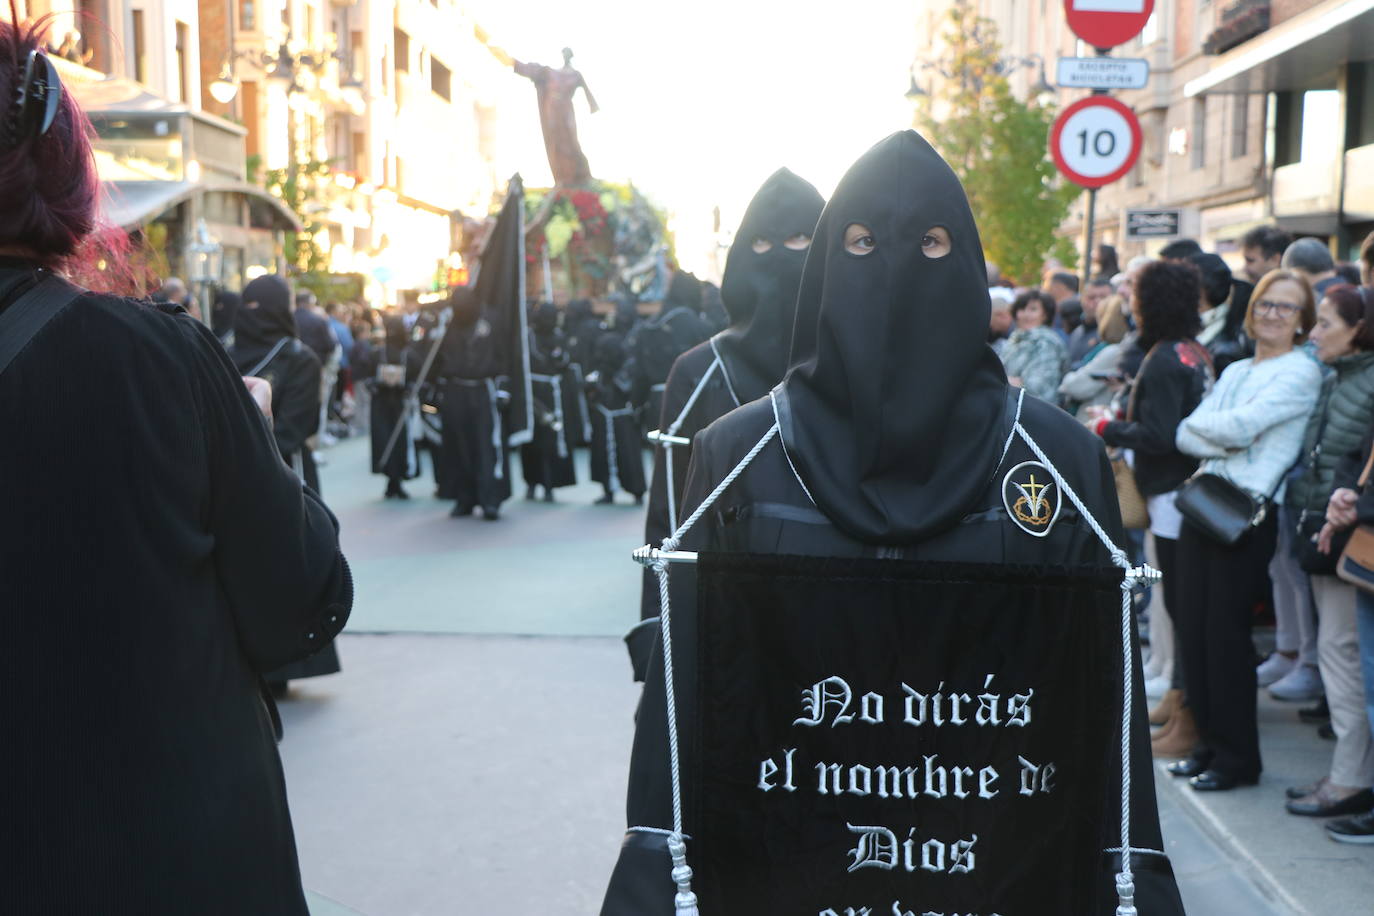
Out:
{"x": 474, "y": 440}
{"x": 762, "y": 275}
{"x": 617, "y": 450}
{"x": 158, "y": 556}
{"x": 388, "y": 408}
{"x": 767, "y": 511}
{"x": 547, "y": 460}
{"x": 265, "y": 347}
{"x": 898, "y": 417}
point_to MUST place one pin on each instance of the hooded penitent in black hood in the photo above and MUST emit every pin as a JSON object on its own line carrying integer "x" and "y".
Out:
{"x": 265, "y": 315}
{"x": 760, "y": 287}
{"x": 894, "y": 409}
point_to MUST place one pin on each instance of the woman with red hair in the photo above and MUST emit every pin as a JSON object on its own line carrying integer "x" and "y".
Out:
{"x": 157, "y": 555}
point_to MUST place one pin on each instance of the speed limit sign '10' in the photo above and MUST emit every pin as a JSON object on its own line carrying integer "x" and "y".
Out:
{"x": 1095, "y": 141}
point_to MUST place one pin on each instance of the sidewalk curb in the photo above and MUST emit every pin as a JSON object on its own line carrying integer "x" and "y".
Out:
{"x": 1246, "y": 863}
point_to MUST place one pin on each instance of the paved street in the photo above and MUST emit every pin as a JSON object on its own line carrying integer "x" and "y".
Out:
{"x": 471, "y": 757}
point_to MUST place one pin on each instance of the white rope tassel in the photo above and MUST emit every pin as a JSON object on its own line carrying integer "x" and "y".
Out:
{"x": 685, "y": 901}
{"x": 1125, "y": 881}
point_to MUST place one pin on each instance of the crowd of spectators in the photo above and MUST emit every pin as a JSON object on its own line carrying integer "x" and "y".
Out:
{"x": 1263, "y": 378}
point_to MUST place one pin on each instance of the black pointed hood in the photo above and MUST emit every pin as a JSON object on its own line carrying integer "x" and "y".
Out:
{"x": 265, "y": 315}
{"x": 760, "y": 288}
{"x": 894, "y": 410}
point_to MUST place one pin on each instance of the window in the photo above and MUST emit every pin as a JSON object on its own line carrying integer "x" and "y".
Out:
{"x": 1360, "y": 99}
{"x": 357, "y": 56}
{"x": 359, "y": 150}
{"x": 183, "y": 47}
{"x": 1240, "y": 124}
{"x": 1306, "y": 126}
{"x": 440, "y": 80}
{"x": 402, "y": 53}
{"x": 248, "y": 16}
{"x": 1198, "y": 134}
{"x": 138, "y": 47}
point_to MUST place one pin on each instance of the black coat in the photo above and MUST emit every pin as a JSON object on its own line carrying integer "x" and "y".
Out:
{"x": 294, "y": 374}
{"x": 767, "y": 511}
{"x": 1173, "y": 380}
{"x": 158, "y": 556}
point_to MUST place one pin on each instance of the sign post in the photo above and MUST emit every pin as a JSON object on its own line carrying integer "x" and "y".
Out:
{"x": 1096, "y": 140}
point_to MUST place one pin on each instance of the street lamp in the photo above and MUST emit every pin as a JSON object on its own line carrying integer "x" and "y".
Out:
{"x": 914, "y": 92}
{"x": 224, "y": 87}
{"x": 207, "y": 264}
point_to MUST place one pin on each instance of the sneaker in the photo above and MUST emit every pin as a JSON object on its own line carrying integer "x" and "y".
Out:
{"x": 1358, "y": 828}
{"x": 1274, "y": 668}
{"x": 1156, "y": 687}
{"x": 1301, "y": 685}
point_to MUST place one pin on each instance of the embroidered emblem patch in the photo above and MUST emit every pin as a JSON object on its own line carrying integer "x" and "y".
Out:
{"x": 1031, "y": 497}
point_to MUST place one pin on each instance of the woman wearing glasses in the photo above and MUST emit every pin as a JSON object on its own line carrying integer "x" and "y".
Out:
{"x": 1344, "y": 340}
{"x": 1248, "y": 431}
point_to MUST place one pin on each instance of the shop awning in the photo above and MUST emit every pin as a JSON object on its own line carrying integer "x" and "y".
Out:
{"x": 130, "y": 204}
{"x": 1300, "y": 53}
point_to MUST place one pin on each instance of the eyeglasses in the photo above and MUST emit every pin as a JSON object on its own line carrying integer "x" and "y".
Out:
{"x": 1269, "y": 306}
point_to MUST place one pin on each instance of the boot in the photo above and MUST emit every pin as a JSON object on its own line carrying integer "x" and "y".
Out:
{"x": 1167, "y": 706}
{"x": 1181, "y": 737}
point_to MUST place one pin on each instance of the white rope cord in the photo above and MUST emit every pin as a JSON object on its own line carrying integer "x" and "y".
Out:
{"x": 725, "y": 373}
{"x": 672, "y": 431}
{"x": 777, "y": 422}
{"x": 685, "y": 902}
{"x": 662, "y": 831}
{"x": 1125, "y": 882}
{"x": 692, "y": 401}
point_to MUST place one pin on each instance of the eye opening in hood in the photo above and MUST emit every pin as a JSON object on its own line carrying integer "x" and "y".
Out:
{"x": 940, "y": 242}
{"x": 859, "y": 241}
{"x": 799, "y": 241}
{"x": 761, "y": 245}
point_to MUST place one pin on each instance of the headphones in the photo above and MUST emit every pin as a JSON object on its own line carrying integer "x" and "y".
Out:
{"x": 34, "y": 107}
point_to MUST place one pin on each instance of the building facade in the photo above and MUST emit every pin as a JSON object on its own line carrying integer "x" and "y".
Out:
{"x": 376, "y": 119}
{"x": 1254, "y": 112}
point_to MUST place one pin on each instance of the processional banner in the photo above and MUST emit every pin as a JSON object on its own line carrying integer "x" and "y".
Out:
{"x": 883, "y": 737}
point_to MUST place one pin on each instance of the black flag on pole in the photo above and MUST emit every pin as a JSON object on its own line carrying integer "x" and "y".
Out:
{"x": 500, "y": 288}
{"x": 886, "y": 737}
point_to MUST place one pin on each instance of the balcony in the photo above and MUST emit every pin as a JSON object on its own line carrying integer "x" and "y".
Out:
{"x": 1240, "y": 22}
{"x": 1358, "y": 200}
{"x": 1305, "y": 194}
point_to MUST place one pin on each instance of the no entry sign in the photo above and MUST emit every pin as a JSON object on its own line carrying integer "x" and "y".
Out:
{"x": 1095, "y": 141}
{"x": 1107, "y": 23}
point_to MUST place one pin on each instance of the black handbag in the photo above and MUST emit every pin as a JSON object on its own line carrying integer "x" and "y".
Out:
{"x": 1310, "y": 559}
{"x": 1221, "y": 509}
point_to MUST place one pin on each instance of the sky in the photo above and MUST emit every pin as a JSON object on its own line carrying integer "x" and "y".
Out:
{"x": 701, "y": 101}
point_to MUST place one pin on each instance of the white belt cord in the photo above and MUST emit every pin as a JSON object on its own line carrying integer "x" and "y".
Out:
{"x": 557, "y": 385}
{"x": 612, "y": 465}
{"x": 495, "y": 428}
